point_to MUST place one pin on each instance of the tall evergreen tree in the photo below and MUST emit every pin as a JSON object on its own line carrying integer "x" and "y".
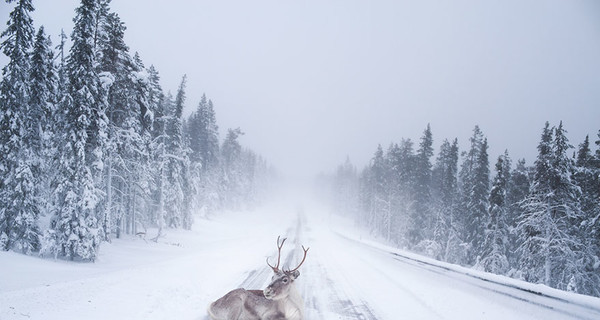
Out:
{"x": 231, "y": 153}
{"x": 404, "y": 201}
{"x": 19, "y": 138}
{"x": 551, "y": 253}
{"x": 474, "y": 177}
{"x": 43, "y": 109}
{"x": 496, "y": 243}
{"x": 480, "y": 200}
{"x": 378, "y": 173}
{"x": 517, "y": 190}
{"x": 202, "y": 134}
{"x": 43, "y": 86}
{"x": 79, "y": 189}
{"x": 178, "y": 212}
{"x": 421, "y": 220}
{"x": 127, "y": 110}
{"x": 447, "y": 228}
{"x": 161, "y": 104}
{"x": 393, "y": 188}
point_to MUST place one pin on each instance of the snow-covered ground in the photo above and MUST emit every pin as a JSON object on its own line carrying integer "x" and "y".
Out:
{"x": 346, "y": 276}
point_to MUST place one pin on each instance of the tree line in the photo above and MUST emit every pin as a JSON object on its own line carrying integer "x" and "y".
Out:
{"x": 93, "y": 148}
{"x": 539, "y": 223}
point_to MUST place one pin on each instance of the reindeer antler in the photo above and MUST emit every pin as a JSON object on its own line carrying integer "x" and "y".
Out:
{"x": 279, "y": 246}
{"x": 301, "y": 262}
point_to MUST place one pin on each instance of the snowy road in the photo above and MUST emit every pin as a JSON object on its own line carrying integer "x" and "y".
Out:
{"x": 345, "y": 276}
{"x": 369, "y": 281}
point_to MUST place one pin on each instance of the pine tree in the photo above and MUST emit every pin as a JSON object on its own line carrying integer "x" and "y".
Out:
{"x": 19, "y": 138}
{"x": 178, "y": 212}
{"x": 158, "y": 148}
{"x": 365, "y": 197}
{"x": 517, "y": 190}
{"x": 587, "y": 176}
{"x": 551, "y": 253}
{"x": 231, "y": 153}
{"x": 141, "y": 155}
{"x": 403, "y": 199}
{"x": 392, "y": 193}
{"x": 447, "y": 228}
{"x": 535, "y": 223}
{"x": 43, "y": 101}
{"x": 474, "y": 178}
{"x": 127, "y": 113}
{"x": 75, "y": 231}
{"x": 480, "y": 200}
{"x": 421, "y": 220}
{"x": 43, "y": 85}
{"x": 377, "y": 185}
{"x": 496, "y": 243}
{"x": 202, "y": 134}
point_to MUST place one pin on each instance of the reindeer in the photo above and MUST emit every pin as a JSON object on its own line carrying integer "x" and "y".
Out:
{"x": 279, "y": 301}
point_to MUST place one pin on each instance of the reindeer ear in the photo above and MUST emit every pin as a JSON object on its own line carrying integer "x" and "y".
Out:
{"x": 295, "y": 274}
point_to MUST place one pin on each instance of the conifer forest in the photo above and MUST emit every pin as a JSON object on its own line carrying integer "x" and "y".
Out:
{"x": 539, "y": 222}
{"x": 93, "y": 148}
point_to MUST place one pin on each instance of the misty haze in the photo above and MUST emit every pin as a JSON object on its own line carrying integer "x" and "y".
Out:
{"x": 249, "y": 160}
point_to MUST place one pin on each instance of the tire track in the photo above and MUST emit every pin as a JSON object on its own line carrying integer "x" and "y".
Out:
{"x": 324, "y": 297}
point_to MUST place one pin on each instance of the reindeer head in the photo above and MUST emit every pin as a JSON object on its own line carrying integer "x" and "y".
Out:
{"x": 282, "y": 280}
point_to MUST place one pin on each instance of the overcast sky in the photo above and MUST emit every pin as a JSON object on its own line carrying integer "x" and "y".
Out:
{"x": 311, "y": 82}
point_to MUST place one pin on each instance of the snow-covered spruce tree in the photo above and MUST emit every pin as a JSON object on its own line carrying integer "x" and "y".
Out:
{"x": 126, "y": 111}
{"x": 20, "y": 138}
{"x": 74, "y": 227}
{"x": 587, "y": 177}
{"x": 421, "y": 219}
{"x": 43, "y": 101}
{"x": 496, "y": 243}
{"x": 43, "y": 87}
{"x": 594, "y": 217}
{"x": 202, "y": 134}
{"x": 400, "y": 186}
{"x": 517, "y": 190}
{"x": 379, "y": 202}
{"x": 551, "y": 252}
{"x": 392, "y": 188}
{"x": 177, "y": 208}
{"x": 141, "y": 177}
{"x": 231, "y": 153}
{"x": 474, "y": 178}
{"x": 595, "y": 223}
{"x": 446, "y": 228}
{"x": 480, "y": 202}
{"x": 161, "y": 104}
{"x": 365, "y": 197}
{"x": 535, "y": 223}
